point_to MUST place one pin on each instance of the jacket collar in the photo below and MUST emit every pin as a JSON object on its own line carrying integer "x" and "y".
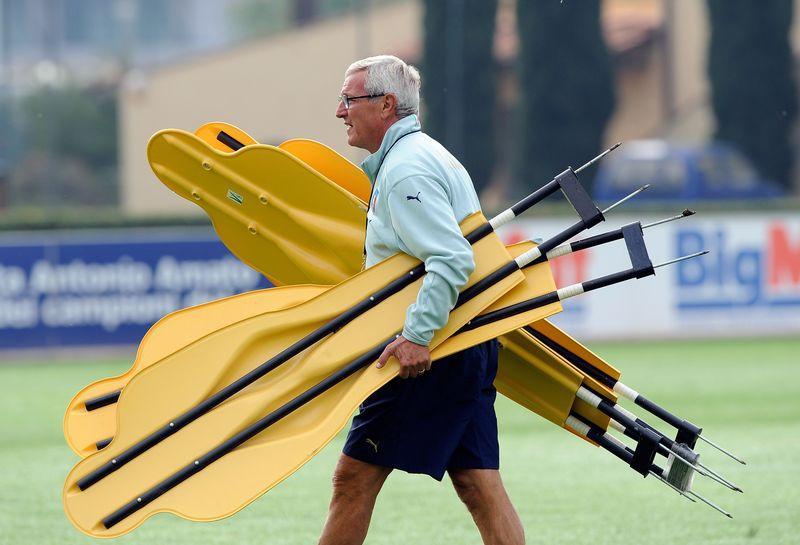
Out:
{"x": 372, "y": 164}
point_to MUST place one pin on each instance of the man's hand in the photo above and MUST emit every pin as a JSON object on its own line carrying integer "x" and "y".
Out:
{"x": 414, "y": 359}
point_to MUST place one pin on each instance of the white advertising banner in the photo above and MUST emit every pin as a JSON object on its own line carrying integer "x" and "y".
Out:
{"x": 748, "y": 285}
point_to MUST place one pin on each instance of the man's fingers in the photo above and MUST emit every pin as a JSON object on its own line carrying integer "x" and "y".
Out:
{"x": 412, "y": 362}
{"x": 387, "y": 353}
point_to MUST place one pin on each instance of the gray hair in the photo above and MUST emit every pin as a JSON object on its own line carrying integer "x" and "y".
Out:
{"x": 388, "y": 74}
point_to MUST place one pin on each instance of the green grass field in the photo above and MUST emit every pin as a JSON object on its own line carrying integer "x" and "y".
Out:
{"x": 745, "y": 394}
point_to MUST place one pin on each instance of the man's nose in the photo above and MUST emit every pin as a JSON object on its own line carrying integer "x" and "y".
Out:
{"x": 341, "y": 111}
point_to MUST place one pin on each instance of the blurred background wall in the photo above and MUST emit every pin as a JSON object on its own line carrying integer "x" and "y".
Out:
{"x": 703, "y": 93}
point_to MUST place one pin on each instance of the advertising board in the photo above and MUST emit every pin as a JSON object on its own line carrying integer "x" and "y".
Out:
{"x": 108, "y": 287}
{"x": 748, "y": 285}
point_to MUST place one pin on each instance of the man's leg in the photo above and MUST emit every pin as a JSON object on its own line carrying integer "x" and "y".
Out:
{"x": 355, "y": 486}
{"x": 484, "y": 495}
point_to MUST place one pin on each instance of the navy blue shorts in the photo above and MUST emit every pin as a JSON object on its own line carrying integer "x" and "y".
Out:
{"x": 442, "y": 420}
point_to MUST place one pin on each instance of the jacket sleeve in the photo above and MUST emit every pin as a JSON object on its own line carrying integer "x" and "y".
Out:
{"x": 423, "y": 220}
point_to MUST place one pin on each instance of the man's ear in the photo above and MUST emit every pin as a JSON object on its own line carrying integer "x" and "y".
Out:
{"x": 389, "y": 106}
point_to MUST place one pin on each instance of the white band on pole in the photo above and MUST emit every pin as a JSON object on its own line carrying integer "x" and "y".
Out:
{"x": 502, "y": 218}
{"x": 616, "y": 425}
{"x": 580, "y": 428}
{"x": 570, "y": 291}
{"x": 558, "y": 251}
{"x": 528, "y": 257}
{"x": 589, "y": 397}
{"x": 625, "y": 391}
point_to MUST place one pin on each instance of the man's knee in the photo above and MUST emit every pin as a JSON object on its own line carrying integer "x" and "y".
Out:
{"x": 477, "y": 488}
{"x": 354, "y": 480}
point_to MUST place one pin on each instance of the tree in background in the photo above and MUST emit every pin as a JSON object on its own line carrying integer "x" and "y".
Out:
{"x": 258, "y": 18}
{"x": 566, "y": 87}
{"x": 753, "y": 91}
{"x": 70, "y": 152}
{"x": 459, "y": 81}
{"x": 5, "y": 148}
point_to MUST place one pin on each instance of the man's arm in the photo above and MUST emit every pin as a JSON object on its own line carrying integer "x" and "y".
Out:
{"x": 423, "y": 220}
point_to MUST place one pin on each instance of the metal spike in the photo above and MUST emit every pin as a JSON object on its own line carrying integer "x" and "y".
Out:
{"x": 696, "y": 466}
{"x": 711, "y": 504}
{"x": 717, "y": 477}
{"x": 622, "y": 200}
{"x": 722, "y": 450}
{"x": 685, "y": 214}
{"x": 672, "y": 486}
{"x": 684, "y": 258}
{"x": 593, "y": 161}
{"x": 567, "y": 248}
{"x": 707, "y": 472}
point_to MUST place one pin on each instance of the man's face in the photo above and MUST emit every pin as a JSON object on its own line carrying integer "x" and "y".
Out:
{"x": 365, "y": 124}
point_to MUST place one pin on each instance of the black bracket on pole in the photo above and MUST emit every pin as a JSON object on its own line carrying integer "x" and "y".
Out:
{"x": 579, "y": 199}
{"x": 687, "y": 434}
{"x": 637, "y": 250}
{"x": 588, "y": 212}
{"x": 641, "y": 266}
{"x": 645, "y": 452}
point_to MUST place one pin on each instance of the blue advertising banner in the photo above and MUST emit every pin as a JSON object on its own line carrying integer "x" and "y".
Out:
{"x": 108, "y": 287}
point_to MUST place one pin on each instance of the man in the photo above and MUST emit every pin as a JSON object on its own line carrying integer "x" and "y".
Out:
{"x": 442, "y": 418}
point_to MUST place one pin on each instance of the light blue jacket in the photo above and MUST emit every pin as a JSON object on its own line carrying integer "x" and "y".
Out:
{"x": 420, "y": 196}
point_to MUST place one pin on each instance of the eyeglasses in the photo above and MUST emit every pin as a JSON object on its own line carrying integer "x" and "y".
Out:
{"x": 346, "y": 100}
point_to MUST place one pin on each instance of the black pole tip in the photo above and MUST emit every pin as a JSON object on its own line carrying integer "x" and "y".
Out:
{"x": 688, "y": 212}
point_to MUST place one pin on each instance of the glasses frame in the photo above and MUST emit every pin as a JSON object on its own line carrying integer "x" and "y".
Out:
{"x": 346, "y": 100}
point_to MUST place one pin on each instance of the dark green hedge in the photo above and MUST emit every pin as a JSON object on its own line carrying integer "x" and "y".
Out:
{"x": 566, "y": 87}
{"x": 754, "y": 95}
{"x": 459, "y": 81}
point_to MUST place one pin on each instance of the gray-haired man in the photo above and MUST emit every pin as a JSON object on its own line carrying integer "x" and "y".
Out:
{"x": 444, "y": 419}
